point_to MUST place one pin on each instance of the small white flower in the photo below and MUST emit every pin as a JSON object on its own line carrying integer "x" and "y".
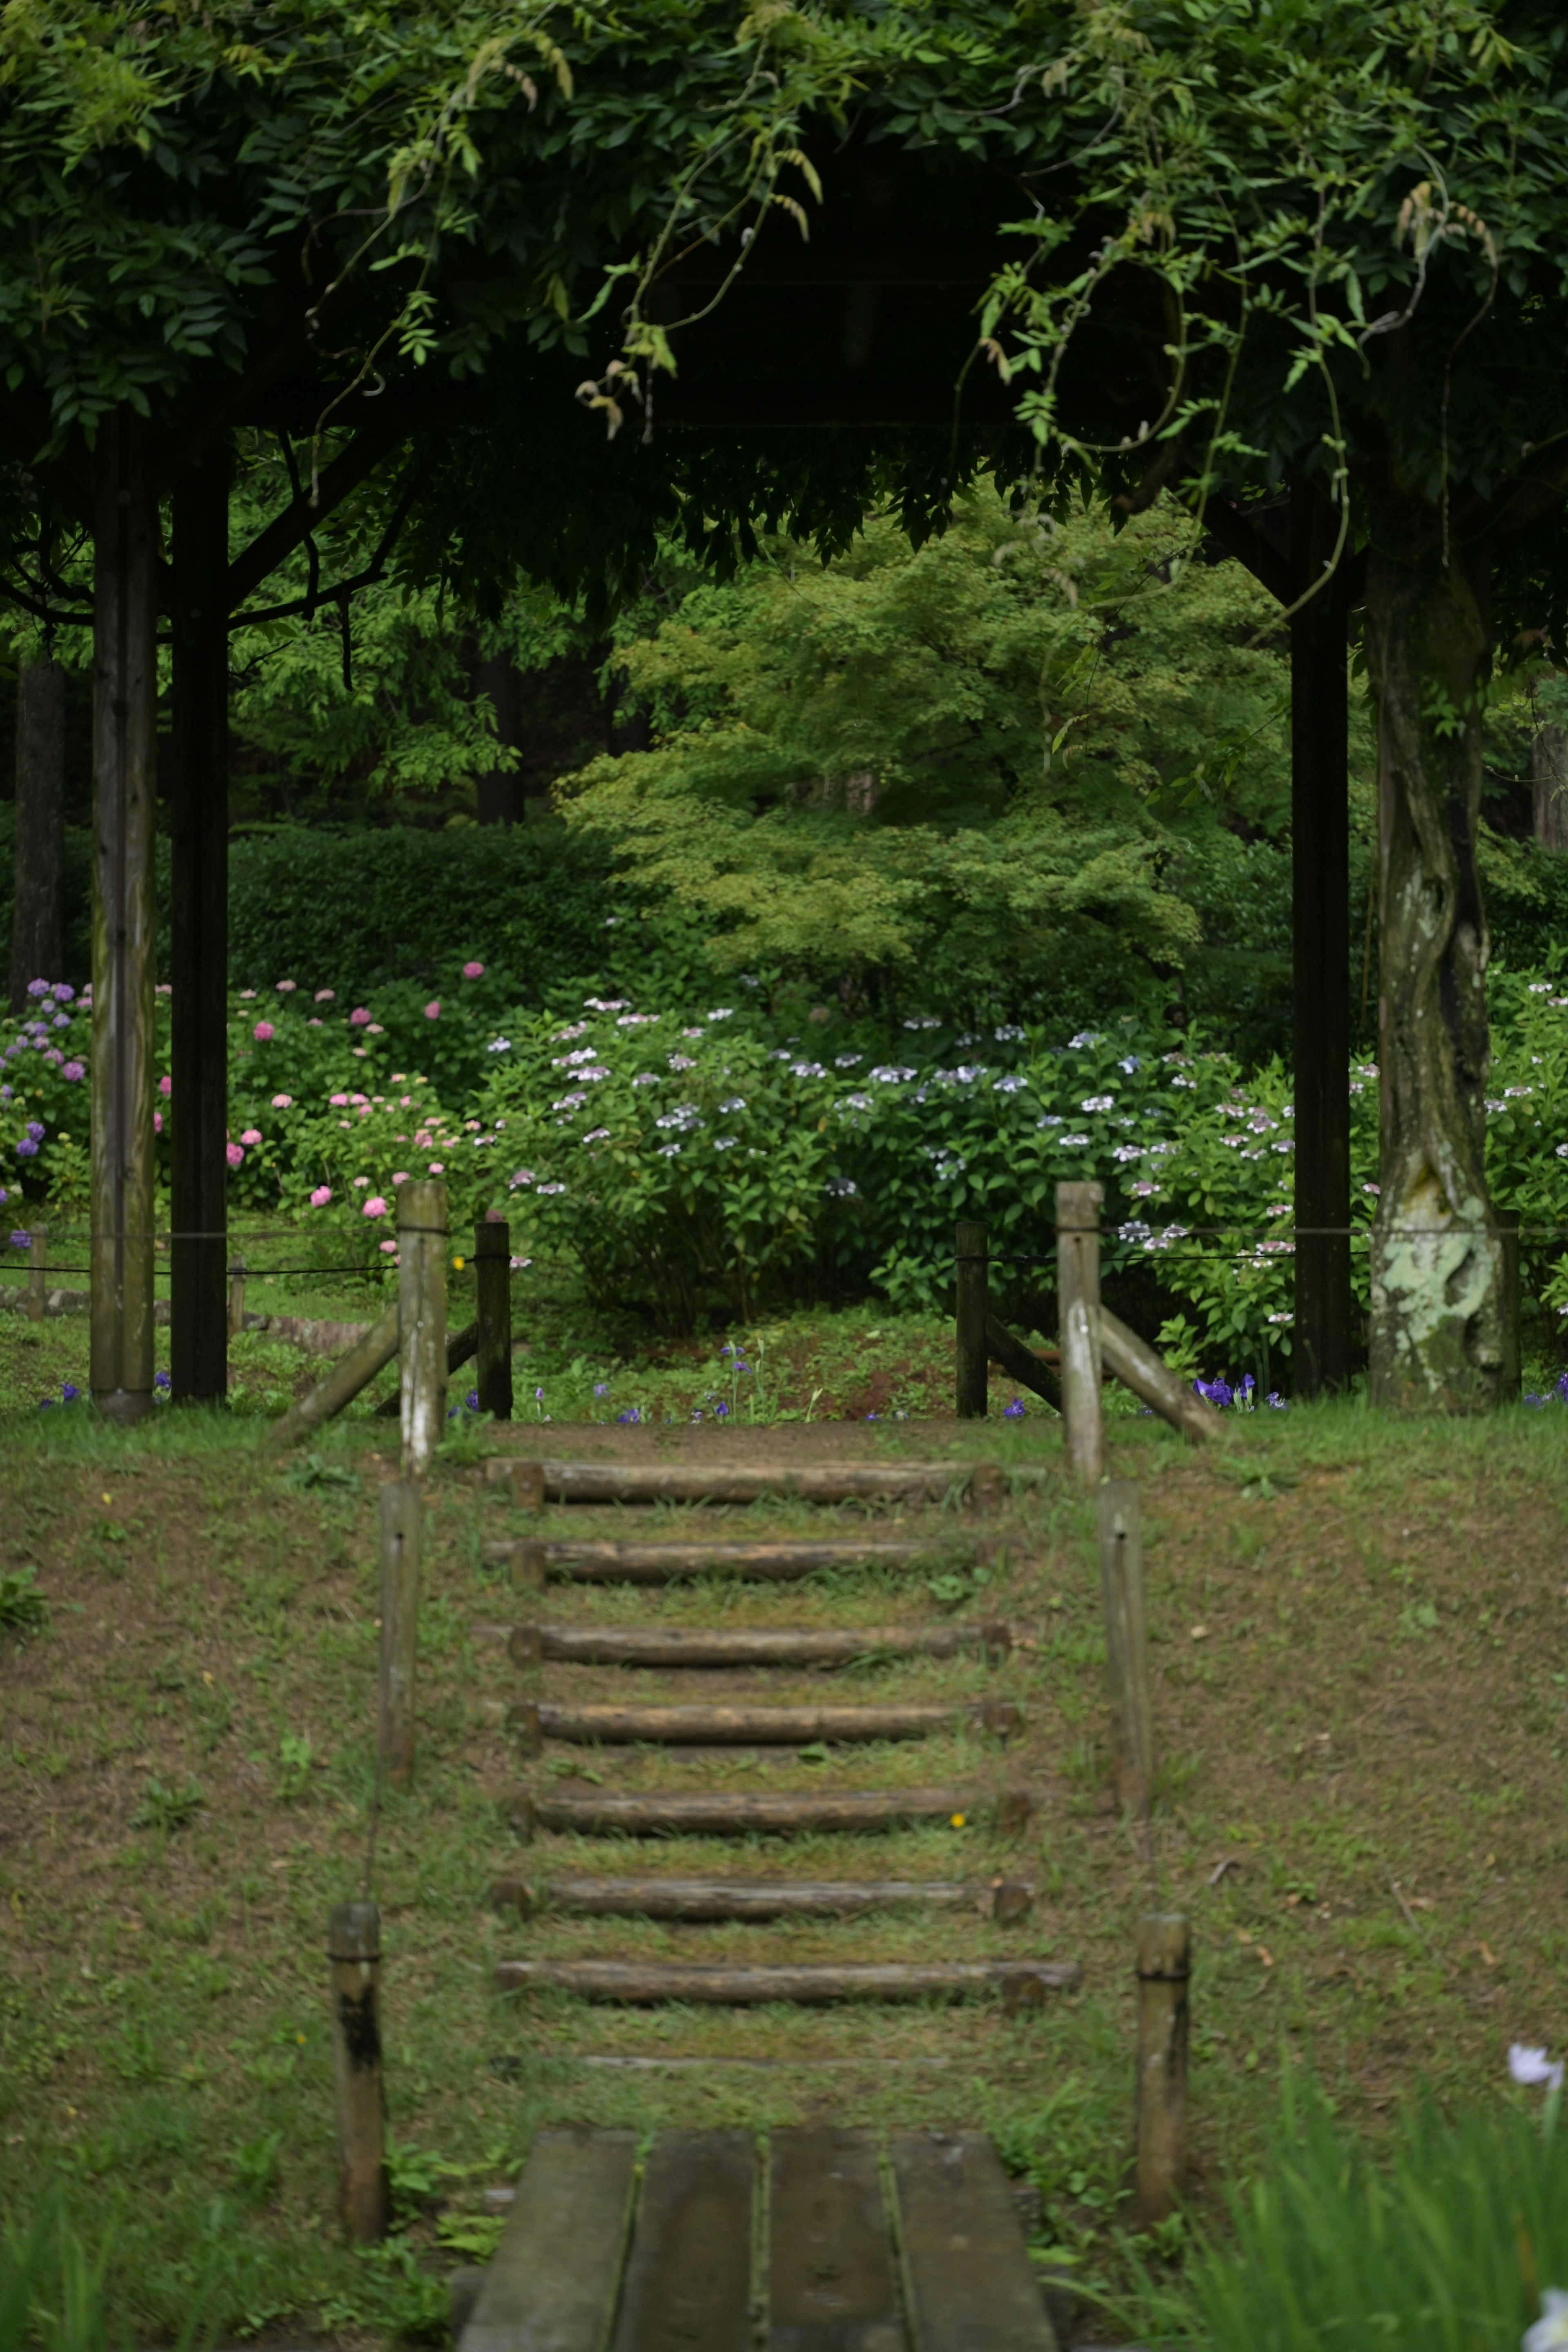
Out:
{"x": 1531, "y": 2067}
{"x": 646, "y": 1078}
{"x": 1128, "y": 1151}
{"x": 1008, "y": 1086}
{"x": 1097, "y": 1102}
{"x": 596, "y": 1135}
{"x": 1189, "y": 1083}
{"x": 847, "y": 1061}
{"x": 681, "y": 1062}
{"x": 1009, "y": 1037}
{"x": 570, "y": 1102}
{"x": 725, "y": 1142}
{"x": 498, "y": 1045}
{"x": 735, "y": 1102}
{"x": 670, "y": 1151}
{"x": 1049, "y": 1120}
{"x": 724, "y": 1013}
{"x": 1085, "y": 1037}
{"x": 840, "y": 1188}
{"x": 806, "y": 1070}
{"x": 1073, "y": 1142}
{"x": 549, "y": 1188}
{"x": 1550, "y": 2333}
{"x": 889, "y": 1075}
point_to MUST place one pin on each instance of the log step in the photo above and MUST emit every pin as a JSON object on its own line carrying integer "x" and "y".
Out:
{"x": 1023, "y": 1983}
{"x": 532, "y": 1722}
{"x": 764, "y": 1812}
{"x": 750, "y": 1645}
{"x": 1008, "y": 1901}
{"x": 982, "y": 1484}
{"x": 533, "y": 1563}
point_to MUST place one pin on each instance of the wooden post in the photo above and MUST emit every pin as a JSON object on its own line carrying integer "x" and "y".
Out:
{"x": 1165, "y": 1966}
{"x": 422, "y": 1304}
{"x": 974, "y": 1307}
{"x": 344, "y": 1382}
{"x": 492, "y": 1309}
{"x": 198, "y": 963}
{"x": 1078, "y": 1295}
{"x": 399, "y": 1548}
{"x": 124, "y": 928}
{"x": 354, "y": 1949}
{"x": 38, "y": 1267}
{"x": 1126, "y": 1649}
{"x": 236, "y": 1298}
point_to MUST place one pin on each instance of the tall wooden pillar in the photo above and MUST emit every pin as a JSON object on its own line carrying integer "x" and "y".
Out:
{"x": 1320, "y": 837}
{"x": 198, "y": 1351}
{"x": 124, "y": 939}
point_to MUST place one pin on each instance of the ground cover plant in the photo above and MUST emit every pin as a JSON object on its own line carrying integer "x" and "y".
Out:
{"x": 735, "y": 1159}
{"x": 1355, "y": 1626}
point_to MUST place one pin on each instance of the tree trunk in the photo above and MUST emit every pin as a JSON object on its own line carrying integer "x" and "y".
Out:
{"x": 1440, "y": 1299}
{"x": 198, "y": 1336}
{"x": 1319, "y": 858}
{"x": 124, "y": 933}
{"x": 38, "y": 917}
{"x": 499, "y": 794}
{"x": 1549, "y": 774}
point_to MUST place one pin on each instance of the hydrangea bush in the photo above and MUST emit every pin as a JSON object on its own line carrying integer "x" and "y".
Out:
{"x": 679, "y": 1157}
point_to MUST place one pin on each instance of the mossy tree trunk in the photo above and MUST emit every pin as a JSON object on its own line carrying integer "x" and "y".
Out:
{"x": 1439, "y": 1305}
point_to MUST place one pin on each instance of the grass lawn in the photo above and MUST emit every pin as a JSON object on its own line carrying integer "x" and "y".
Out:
{"x": 1362, "y": 1710}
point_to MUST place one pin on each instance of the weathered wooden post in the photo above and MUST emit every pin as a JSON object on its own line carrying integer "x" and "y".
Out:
{"x": 38, "y": 1267}
{"x": 1165, "y": 1967}
{"x": 124, "y": 927}
{"x": 400, "y": 1548}
{"x": 422, "y": 1329}
{"x": 492, "y": 1314}
{"x": 971, "y": 1252}
{"x": 1078, "y": 1295}
{"x": 354, "y": 1949}
{"x": 237, "y": 1274}
{"x": 1126, "y": 1647}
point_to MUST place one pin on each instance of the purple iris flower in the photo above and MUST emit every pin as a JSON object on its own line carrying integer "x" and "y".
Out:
{"x": 160, "y": 1382}
{"x": 631, "y": 1414}
{"x": 69, "y": 1393}
{"x": 1013, "y": 1411}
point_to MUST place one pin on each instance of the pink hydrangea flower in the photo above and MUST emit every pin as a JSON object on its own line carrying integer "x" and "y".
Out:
{"x": 166, "y": 1088}
{"x": 473, "y": 972}
{"x": 360, "y": 1182}
{"x": 359, "y": 1052}
{"x": 338, "y": 1102}
{"x": 283, "y": 1102}
{"x": 389, "y": 1248}
{"x": 401, "y": 1177}
{"x": 286, "y": 987}
{"x": 320, "y": 1196}
{"x": 433, "y": 1010}
{"x": 437, "y": 1167}
{"x": 262, "y": 1033}
{"x": 251, "y": 1135}
{"x": 157, "y": 1122}
{"x": 374, "y": 1207}
{"x": 246, "y": 994}
{"x": 325, "y": 995}
{"x": 74, "y": 1070}
{"x": 234, "y": 1155}
{"x": 359, "y": 1016}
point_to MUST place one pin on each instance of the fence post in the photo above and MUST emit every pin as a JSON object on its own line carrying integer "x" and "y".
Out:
{"x": 493, "y": 1313}
{"x": 354, "y": 1949}
{"x": 400, "y": 1548}
{"x": 422, "y": 1327}
{"x": 1126, "y": 1648}
{"x": 237, "y": 1273}
{"x": 973, "y": 1305}
{"x": 1165, "y": 1968}
{"x": 1078, "y": 1295}
{"x": 37, "y": 1266}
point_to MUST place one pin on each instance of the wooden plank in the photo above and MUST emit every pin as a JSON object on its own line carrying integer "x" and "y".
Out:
{"x": 552, "y": 2285}
{"x": 1022, "y": 1982}
{"x": 1139, "y": 1367}
{"x": 1006, "y": 1900}
{"x": 689, "y": 2281}
{"x": 534, "y": 1721}
{"x": 531, "y": 1561}
{"x": 831, "y": 2286}
{"x": 696, "y": 1482}
{"x": 720, "y": 1814}
{"x": 968, "y": 2283}
{"x": 1024, "y": 1364}
{"x": 752, "y": 1645}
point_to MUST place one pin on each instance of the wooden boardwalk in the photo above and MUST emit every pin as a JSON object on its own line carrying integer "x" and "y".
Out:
{"x": 819, "y": 2241}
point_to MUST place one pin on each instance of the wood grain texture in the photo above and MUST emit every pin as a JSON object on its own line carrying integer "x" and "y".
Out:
{"x": 969, "y": 2283}
{"x": 1078, "y": 1293}
{"x": 554, "y": 2281}
{"x": 688, "y": 2280}
{"x": 762, "y": 1898}
{"x": 534, "y": 1721}
{"x": 750, "y": 1645}
{"x": 531, "y": 1561}
{"x": 765, "y": 1812}
{"x": 831, "y": 2286}
{"x": 713, "y": 1982}
{"x": 692, "y": 1482}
